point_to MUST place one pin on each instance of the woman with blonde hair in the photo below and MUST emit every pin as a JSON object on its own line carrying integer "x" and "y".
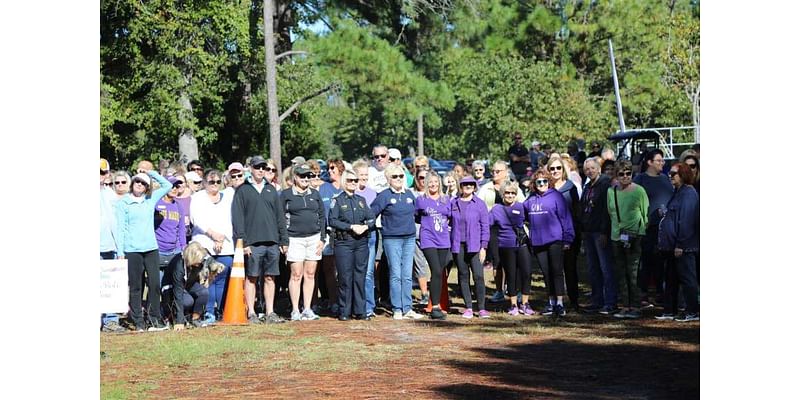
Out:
{"x": 432, "y": 212}
{"x": 559, "y": 170}
{"x": 450, "y": 183}
{"x": 120, "y": 181}
{"x": 186, "y": 285}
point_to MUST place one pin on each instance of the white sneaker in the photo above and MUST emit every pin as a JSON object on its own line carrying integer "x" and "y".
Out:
{"x": 412, "y": 315}
{"x": 308, "y": 315}
{"x": 398, "y": 315}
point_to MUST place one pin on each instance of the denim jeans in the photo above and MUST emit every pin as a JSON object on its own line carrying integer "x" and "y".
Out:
{"x": 399, "y": 253}
{"x": 369, "y": 282}
{"x": 600, "y": 263}
{"x": 216, "y": 288}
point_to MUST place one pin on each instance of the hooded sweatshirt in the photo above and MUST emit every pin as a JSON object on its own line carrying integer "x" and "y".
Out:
{"x": 549, "y": 218}
{"x": 680, "y": 227}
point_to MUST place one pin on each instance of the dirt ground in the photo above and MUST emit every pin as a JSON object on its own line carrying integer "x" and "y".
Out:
{"x": 580, "y": 356}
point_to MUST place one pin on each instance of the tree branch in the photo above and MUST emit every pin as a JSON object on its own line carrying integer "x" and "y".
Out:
{"x": 305, "y": 99}
{"x": 289, "y": 53}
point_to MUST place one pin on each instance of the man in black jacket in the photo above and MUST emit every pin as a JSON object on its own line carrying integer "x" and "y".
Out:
{"x": 258, "y": 220}
{"x": 596, "y": 227}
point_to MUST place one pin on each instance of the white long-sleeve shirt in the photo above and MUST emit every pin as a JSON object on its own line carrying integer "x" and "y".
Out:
{"x": 206, "y": 215}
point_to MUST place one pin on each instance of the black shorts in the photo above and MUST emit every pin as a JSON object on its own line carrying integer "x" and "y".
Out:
{"x": 264, "y": 258}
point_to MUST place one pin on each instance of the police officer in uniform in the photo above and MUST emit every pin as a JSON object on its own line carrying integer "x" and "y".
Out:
{"x": 351, "y": 220}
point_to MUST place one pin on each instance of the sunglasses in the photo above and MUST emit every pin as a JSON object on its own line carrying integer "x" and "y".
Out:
{"x": 177, "y": 185}
{"x": 555, "y": 168}
{"x": 421, "y": 166}
{"x": 420, "y": 178}
{"x": 104, "y": 172}
{"x": 107, "y": 184}
{"x": 197, "y": 182}
{"x": 397, "y": 176}
{"x": 542, "y": 182}
{"x": 120, "y": 182}
{"x": 692, "y": 166}
{"x": 624, "y": 173}
{"x": 351, "y": 180}
{"x": 265, "y": 168}
{"x": 478, "y": 169}
{"x": 497, "y": 171}
{"x": 141, "y": 182}
{"x": 510, "y": 192}
{"x": 216, "y": 182}
{"x": 466, "y": 185}
{"x": 197, "y": 169}
{"x": 377, "y": 156}
{"x": 237, "y": 176}
{"x": 393, "y": 159}
{"x": 672, "y": 173}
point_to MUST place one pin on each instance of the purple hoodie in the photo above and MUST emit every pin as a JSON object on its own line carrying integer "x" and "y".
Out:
{"x": 500, "y": 216}
{"x": 434, "y": 230}
{"x": 475, "y": 216}
{"x": 549, "y": 218}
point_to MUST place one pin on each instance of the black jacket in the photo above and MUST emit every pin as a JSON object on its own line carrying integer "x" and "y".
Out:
{"x": 593, "y": 207}
{"x": 258, "y": 217}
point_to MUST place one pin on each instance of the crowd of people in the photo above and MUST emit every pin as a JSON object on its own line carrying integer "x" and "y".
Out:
{"x": 378, "y": 227}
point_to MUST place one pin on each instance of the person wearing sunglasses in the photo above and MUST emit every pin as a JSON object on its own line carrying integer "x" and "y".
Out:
{"x": 596, "y": 228}
{"x": 380, "y": 159}
{"x": 478, "y": 172}
{"x": 551, "y": 232}
{"x": 432, "y": 211}
{"x": 421, "y": 266}
{"x": 170, "y": 230}
{"x": 361, "y": 168}
{"x": 134, "y": 214}
{"x": 307, "y": 225}
{"x": 679, "y": 238}
{"x": 396, "y": 209}
{"x": 627, "y": 208}
{"x": 121, "y": 184}
{"x": 235, "y": 175}
{"x": 692, "y": 160}
{"x": 259, "y": 220}
{"x": 327, "y": 279}
{"x": 212, "y": 227}
{"x": 469, "y": 238}
{"x": 557, "y": 167}
{"x": 509, "y": 217}
{"x": 196, "y": 167}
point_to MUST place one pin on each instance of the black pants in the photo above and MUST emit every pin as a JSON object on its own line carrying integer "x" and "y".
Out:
{"x": 516, "y": 262}
{"x": 351, "y": 264}
{"x": 139, "y": 264}
{"x": 651, "y": 265}
{"x": 465, "y": 261}
{"x": 493, "y": 252}
{"x": 176, "y": 298}
{"x": 437, "y": 259}
{"x": 571, "y": 268}
{"x": 681, "y": 272}
{"x": 551, "y": 260}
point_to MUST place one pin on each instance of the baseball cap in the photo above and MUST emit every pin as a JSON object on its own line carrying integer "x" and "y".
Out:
{"x": 298, "y": 160}
{"x": 468, "y": 180}
{"x": 535, "y": 143}
{"x": 172, "y": 179}
{"x": 143, "y": 177}
{"x": 257, "y": 160}
{"x": 302, "y": 169}
{"x": 394, "y": 153}
{"x": 104, "y": 165}
{"x": 235, "y": 166}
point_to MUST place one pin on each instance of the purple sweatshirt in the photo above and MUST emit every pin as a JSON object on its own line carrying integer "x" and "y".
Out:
{"x": 474, "y": 216}
{"x": 434, "y": 230}
{"x": 170, "y": 230}
{"x": 500, "y": 216}
{"x": 549, "y": 219}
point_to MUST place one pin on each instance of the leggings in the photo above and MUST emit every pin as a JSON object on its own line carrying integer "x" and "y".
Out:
{"x": 437, "y": 259}
{"x": 516, "y": 262}
{"x": 571, "y": 268}
{"x": 140, "y": 263}
{"x": 462, "y": 258}
{"x": 550, "y": 257}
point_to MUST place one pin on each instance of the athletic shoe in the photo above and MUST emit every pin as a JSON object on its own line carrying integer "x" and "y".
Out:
{"x": 370, "y": 314}
{"x": 513, "y": 311}
{"x": 437, "y": 314}
{"x": 398, "y": 315}
{"x": 548, "y": 310}
{"x": 633, "y": 314}
{"x": 209, "y": 318}
{"x": 527, "y": 310}
{"x": 113, "y": 327}
{"x": 158, "y": 326}
{"x": 253, "y": 319}
{"x": 665, "y": 317}
{"x": 425, "y": 299}
{"x": 609, "y": 310}
{"x": 295, "y": 316}
{"x": 467, "y": 313}
{"x": 621, "y": 314}
{"x": 646, "y": 304}
{"x": 308, "y": 315}
{"x": 688, "y": 317}
{"x": 411, "y": 314}
{"x": 559, "y": 311}
{"x": 484, "y": 314}
{"x": 273, "y": 318}
{"x": 497, "y": 297}
{"x": 198, "y": 324}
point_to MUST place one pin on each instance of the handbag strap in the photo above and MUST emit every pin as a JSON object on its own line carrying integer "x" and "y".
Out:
{"x": 616, "y": 204}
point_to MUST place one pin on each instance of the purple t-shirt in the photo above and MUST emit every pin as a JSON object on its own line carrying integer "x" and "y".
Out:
{"x": 500, "y": 216}
{"x": 368, "y": 194}
{"x": 434, "y": 230}
{"x": 170, "y": 231}
{"x": 185, "y": 202}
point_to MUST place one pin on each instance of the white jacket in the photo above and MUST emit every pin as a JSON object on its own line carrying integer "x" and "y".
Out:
{"x": 215, "y": 216}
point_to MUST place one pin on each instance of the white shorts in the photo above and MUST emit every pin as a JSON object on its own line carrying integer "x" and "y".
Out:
{"x": 303, "y": 248}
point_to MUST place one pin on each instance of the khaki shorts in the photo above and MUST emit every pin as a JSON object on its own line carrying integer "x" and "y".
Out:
{"x": 303, "y": 248}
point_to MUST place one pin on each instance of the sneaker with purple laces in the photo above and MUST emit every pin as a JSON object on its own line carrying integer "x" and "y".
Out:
{"x": 467, "y": 313}
{"x": 527, "y": 310}
{"x": 513, "y": 311}
{"x": 483, "y": 314}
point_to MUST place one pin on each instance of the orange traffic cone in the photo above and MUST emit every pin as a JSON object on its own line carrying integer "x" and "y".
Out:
{"x": 444, "y": 299}
{"x": 235, "y": 312}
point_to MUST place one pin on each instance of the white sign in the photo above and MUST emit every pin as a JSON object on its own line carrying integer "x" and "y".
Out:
{"x": 113, "y": 286}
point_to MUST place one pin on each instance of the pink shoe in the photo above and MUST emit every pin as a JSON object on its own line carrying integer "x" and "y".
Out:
{"x": 483, "y": 314}
{"x": 527, "y": 310}
{"x": 514, "y": 311}
{"x": 467, "y": 313}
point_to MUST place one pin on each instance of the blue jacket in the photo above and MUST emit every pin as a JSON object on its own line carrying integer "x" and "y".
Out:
{"x": 135, "y": 218}
{"x": 680, "y": 226}
{"x": 476, "y": 216}
{"x": 396, "y": 211}
{"x": 549, "y": 218}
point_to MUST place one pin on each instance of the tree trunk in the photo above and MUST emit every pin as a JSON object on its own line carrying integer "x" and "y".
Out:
{"x": 420, "y": 136}
{"x": 696, "y": 113}
{"x": 187, "y": 144}
{"x": 272, "y": 93}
